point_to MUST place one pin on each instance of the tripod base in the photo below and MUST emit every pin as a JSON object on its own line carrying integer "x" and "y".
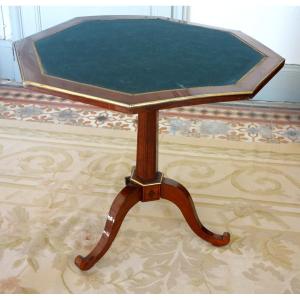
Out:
{"x": 135, "y": 191}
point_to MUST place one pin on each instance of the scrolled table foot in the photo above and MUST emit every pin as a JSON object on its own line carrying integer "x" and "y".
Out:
{"x": 83, "y": 263}
{"x": 126, "y": 199}
{"x": 220, "y": 240}
{"x": 178, "y": 194}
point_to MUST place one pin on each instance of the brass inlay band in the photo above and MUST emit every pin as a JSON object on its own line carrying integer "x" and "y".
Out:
{"x": 189, "y": 98}
{"x": 52, "y": 88}
{"x": 145, "y": 184}
{"x": 45, "y": 86}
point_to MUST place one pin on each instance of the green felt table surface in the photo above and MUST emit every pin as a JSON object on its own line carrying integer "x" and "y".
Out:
{"x": 145, "y": 55}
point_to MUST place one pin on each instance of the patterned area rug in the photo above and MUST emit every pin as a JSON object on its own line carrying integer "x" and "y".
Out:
{"x": 234, "y": 121}
{"x": 57, "y": 184}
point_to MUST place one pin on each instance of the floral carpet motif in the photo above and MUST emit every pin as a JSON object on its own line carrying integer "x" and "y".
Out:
{"x": 233, "y": 121}
{"x": 58, "y": 182}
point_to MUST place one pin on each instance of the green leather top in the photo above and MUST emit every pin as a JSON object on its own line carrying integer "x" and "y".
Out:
{"x": 145, "y": 55}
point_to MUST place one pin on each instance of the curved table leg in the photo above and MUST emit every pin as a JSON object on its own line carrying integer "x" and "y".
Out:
{"x": 126, "y": 199}
{"x": 178, "y": 194}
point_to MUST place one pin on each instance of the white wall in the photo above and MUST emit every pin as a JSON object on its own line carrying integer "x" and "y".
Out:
{"x": 7, "y": 65}
{"x": 276, "y": 26}
{"x": 283, "y": 87}
{"x": 52, "y": 15}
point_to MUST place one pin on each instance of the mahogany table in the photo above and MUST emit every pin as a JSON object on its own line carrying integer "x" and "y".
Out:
{"x": 139, "y": 64}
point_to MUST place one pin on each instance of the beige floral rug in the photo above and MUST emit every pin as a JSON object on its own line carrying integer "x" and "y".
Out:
{"x": 248, "y": 121}
{"x": 57, "y": 183}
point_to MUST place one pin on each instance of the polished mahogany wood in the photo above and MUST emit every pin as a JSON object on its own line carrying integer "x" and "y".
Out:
{"x": 136, "y": 110}
{"x": 151, "y": 191}
{"x": 127, "y": 198}
{"x": 147, "y": 146}
{"x": 178, "y": 194}
{"x": 147, "y": 184}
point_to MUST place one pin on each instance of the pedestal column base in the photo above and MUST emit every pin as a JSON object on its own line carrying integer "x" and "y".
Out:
{"x": 150, "y": 189}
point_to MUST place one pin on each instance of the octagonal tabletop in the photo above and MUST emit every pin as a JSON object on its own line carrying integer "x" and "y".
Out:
{"x": 129, "y": 63}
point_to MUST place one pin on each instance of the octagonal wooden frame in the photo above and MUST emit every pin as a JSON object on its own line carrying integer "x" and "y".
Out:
{"x": 34, "y": 78}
